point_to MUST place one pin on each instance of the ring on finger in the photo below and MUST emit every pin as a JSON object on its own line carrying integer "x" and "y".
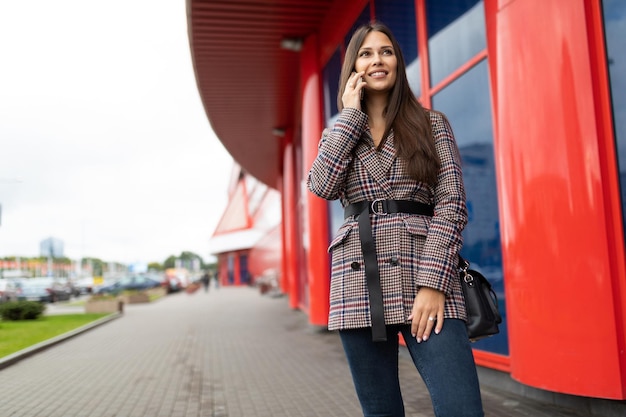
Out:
{"x": 431, "y": 319}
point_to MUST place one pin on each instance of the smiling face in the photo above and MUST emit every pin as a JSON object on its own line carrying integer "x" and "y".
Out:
{"x": 377, "y": 58}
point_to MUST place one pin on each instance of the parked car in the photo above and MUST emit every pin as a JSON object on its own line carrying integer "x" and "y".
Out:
{"x": 68, "y": 285}
{"x": 175, "y": 280}
{"x": 85, "y": 285}
{"x": 172, "y": 283}
{"x": 130, "y": 282}
{"x": 8, "y": 290}
{"x": 43, "y": 289}
{"x": 33, "y": 291}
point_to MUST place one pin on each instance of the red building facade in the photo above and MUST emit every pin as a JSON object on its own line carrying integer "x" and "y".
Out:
{"x": 535, "y": 92}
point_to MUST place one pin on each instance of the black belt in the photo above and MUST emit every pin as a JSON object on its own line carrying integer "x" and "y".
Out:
{"x": 368, "y": 246}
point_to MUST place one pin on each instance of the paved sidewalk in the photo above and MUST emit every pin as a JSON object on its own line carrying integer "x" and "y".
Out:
{"x": 228, "y": 353}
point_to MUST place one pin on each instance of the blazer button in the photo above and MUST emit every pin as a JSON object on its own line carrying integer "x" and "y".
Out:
{"x": 355, "y": 265}
{"x": 394, "y": 261}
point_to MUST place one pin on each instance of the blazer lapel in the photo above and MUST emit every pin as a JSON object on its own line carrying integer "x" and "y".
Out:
{"x": 378, "y": 164}
{"x": 387, "y": 155}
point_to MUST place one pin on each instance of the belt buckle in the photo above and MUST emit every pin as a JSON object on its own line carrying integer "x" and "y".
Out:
{"x": 373, "y": 207}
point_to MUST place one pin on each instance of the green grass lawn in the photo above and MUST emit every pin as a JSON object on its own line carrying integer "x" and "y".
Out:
{"x": 76, "y": 303}
{"x": 18, "y": 335}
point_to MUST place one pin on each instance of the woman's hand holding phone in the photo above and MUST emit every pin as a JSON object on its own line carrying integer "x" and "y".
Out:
{"x": 353, "y": 93}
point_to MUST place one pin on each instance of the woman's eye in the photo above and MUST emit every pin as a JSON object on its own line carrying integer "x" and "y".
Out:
{"x": 364, "y": 53}
{"x": 388, "y": 52}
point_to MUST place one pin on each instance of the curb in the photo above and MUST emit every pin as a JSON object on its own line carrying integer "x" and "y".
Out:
{"x": 13, "y": 358}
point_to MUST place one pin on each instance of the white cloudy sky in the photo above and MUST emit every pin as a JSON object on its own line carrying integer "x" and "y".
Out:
{"x": 104, "y": 143}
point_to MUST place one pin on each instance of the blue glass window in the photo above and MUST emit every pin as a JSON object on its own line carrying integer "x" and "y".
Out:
{"x": 615, "y": 32}
{"x": 330, "y": 74}
{"x": 467, "y": 104}
{"x": 330, "y": 86}
{"x": 456, "y": 32}
{"x": 230, "y": 262}
{"x": 244, "y": 274}
{"x": 399, "y": 16}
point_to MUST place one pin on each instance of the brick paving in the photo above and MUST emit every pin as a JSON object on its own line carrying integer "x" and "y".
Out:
{"x": 228, "y": 353}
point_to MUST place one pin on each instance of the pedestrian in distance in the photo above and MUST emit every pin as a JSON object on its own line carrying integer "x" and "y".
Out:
{"x": 395, "y": 167}
{"x": 206, "y": 280}
{"x": 216, "y": 277}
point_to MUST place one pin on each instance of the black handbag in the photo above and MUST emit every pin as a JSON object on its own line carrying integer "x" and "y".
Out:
{"x": 481, "y": 303}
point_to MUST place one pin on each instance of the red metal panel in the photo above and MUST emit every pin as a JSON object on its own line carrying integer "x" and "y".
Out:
{"x": 265, "y": 258}
{"x": 222, "y": 269}
{"x": 492, "y": 360}
{"x": 316, "y": 212}
{"x": 236, "y": 268}
{"x": 610, "y": 172}
{"x": 561, "y": 312}
{"x": 336, "y": 25}
{"x": 283, "y": 281}
{"x": 236, "y": 215}
{"x": 290, "y": 274}
{"x": 422, "y": 47}
{"x": 482, "y": 358}
{"x": 491, "y": 12}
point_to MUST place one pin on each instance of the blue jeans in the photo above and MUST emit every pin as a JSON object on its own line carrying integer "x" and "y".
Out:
{"x": 445, "y": 363}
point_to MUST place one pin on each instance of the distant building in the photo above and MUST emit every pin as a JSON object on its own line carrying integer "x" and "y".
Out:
{"x": 247, "y": 241}
{"x": 51, "y": 247}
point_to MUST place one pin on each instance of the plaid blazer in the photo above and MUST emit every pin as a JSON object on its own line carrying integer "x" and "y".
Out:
{"x": 413, "y": 251}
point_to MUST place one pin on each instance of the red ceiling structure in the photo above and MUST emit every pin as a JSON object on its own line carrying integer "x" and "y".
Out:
{"x": 246, "y": 76}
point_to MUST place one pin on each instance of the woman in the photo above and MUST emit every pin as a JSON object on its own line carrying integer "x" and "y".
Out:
{"x": 396, "y": 169}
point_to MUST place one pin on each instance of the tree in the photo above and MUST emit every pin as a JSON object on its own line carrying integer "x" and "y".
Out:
{"x": 187, "y": 260}
{"x": 155, "y": 266}
{"x": 97, "y": 265}
{"x": 170, "y": 262}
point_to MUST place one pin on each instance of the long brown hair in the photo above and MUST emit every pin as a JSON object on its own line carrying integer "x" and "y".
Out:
{"x": 404, "y": 114}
